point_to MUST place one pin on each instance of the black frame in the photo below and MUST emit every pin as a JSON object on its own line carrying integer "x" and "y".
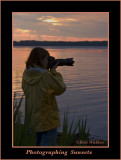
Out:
{"x": 113, "y": 7}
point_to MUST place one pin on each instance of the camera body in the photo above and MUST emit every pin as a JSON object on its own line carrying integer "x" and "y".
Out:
{"x": 62, "y": 62}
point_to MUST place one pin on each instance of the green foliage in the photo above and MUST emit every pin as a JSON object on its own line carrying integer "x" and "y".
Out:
{"x": 83, "y": 135}
{"x": 23, "y": 136}
{"x": 16, "y": 106}
{"x": 69, "y": 132}
{"x": 67, "y": 136}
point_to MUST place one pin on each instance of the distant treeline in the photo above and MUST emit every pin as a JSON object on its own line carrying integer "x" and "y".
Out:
{"x": 59, "y": 43}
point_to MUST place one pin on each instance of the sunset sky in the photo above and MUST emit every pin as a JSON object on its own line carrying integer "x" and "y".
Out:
{"x": 60, "y": 26}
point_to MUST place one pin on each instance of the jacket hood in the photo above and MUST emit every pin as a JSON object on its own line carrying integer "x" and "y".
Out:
{"x": 32, "y": 75}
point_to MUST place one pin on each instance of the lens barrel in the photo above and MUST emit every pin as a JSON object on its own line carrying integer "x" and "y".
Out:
{"x": 62, "y": 62}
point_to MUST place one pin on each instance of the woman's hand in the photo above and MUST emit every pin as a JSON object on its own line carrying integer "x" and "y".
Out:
{"x": 55, "y": 66}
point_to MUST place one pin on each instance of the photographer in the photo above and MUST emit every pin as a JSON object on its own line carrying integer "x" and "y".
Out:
{"x": 40, "y": 86}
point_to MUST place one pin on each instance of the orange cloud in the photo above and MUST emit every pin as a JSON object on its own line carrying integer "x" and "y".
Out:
{"x": 50, "y": 20}
{"x": 22, "y": 34}
{"x": 62, "y": 38}
{"x": 22, "y": 30}
{"x": 50, "y": 38}
{"x": 57, "y": 21}
{"x": 72, "y": 19}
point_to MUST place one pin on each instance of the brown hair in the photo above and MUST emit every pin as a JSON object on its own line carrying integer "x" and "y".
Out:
{"x": 35, "y": 57}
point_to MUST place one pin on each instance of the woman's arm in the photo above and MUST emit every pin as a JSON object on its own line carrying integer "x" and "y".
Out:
{"x": 55, "y": 81}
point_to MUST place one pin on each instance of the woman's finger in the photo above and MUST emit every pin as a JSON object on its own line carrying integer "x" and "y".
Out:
{"x": 55, "y": 65}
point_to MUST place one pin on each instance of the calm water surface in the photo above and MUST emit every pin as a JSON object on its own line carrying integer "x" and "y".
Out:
{"x": 86, "y": 81}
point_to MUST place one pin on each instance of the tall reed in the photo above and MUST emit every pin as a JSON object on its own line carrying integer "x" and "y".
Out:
{"x": 69, "y": 132}
{"x": 22, "y": 136}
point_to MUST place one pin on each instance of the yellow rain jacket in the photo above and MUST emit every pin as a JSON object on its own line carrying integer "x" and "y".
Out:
{"x": 40, "y": 87}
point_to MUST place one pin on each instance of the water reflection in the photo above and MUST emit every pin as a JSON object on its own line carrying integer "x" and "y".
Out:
{"x": 86, "y": 81}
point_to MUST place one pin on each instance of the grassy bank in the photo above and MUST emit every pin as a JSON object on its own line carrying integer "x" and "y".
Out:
{"x": 71, "y": 135}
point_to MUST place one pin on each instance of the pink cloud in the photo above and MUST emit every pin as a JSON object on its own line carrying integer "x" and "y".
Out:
{"x": 26, "y": 34}
{"x": 62, "y": 38}
{"x": 22, "y": 34}
{"x": 57, "y": 21}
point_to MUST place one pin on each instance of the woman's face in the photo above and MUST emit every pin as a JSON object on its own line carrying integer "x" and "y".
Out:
{"x": 45, "y": 62}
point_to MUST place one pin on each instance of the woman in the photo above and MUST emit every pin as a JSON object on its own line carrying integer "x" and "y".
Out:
{"x": 40, "y": 87}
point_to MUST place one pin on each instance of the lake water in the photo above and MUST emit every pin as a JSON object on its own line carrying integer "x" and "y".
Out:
{"x": 86, "y": 81}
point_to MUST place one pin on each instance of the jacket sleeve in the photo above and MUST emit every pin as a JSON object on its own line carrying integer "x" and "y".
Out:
{"x": 55, "y": 82}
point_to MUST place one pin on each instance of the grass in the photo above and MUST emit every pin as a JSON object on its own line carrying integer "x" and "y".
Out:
{"x": 67, "y": 135}
{"x": 23, "y": 136}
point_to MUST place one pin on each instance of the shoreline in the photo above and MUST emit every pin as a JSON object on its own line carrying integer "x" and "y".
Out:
{"x": 75, "y": 141}
{"x": 90, "y": 142}
{"x": 59, "y": 43}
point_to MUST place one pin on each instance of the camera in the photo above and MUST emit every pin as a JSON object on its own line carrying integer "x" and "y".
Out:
{"x": 62, "y": 62}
